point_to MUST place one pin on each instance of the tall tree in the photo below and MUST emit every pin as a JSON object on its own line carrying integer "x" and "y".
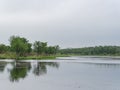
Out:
{"x": 20, "y": 45}
{"x": 39, "y": 47}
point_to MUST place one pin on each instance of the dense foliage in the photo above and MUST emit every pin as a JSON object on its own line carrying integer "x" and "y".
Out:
{"x": 98, "y": 50}
{"x": 40, "y": 47}
{"x": 4, "y": 48}
{"x": 21, "y": 47}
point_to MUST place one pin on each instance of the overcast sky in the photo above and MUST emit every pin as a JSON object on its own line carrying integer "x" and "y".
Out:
{"x": 68, "y": 23}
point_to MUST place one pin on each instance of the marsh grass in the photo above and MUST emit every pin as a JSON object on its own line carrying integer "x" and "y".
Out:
{"x": 28, "y": 57}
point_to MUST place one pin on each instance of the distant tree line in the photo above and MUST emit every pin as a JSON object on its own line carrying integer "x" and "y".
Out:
{"x": 97, "y": 50}
{"x": 22, "y": 47}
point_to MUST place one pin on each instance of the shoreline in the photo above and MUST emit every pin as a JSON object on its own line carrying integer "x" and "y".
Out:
{"x": 93, "y": 56}
{"x": 35, "y": 57}
{"x": 52, "y": 57}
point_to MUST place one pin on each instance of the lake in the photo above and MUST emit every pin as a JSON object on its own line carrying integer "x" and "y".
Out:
{"x": 64, "y": 73}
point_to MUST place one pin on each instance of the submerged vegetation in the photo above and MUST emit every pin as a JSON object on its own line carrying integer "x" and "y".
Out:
{"x": 21, "y": 48}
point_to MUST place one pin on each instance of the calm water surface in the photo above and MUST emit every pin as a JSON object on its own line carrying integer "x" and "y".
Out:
{"x": 70, "y": 73}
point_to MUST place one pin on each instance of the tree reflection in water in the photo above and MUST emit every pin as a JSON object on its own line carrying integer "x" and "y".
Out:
{"x": 20, "y": 70}
{"x": 41, "y": 67}
{"x": 2, "y": 66}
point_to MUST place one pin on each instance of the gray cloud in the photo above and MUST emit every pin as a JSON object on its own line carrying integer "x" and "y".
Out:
{"x": 69, "y": 23}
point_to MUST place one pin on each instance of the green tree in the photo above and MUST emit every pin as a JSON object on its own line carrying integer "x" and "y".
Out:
{"x": 40, "y": 47}
{"x": 98, "y": 50}
{"x": 20, "y": 46}
{"x": 4, "y": 48}
{"x": 52, "y": 50}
